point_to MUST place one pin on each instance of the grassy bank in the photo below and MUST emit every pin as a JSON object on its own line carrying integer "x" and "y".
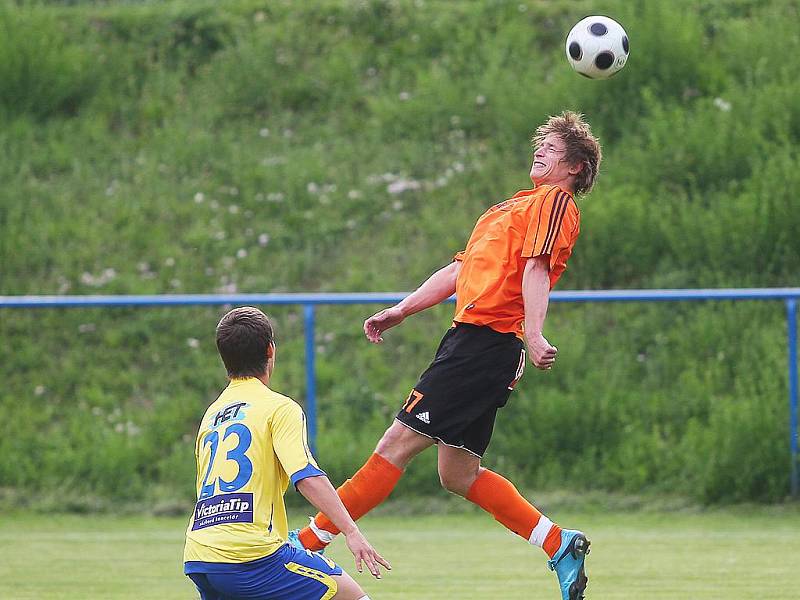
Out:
{"x": 349, "y": 146}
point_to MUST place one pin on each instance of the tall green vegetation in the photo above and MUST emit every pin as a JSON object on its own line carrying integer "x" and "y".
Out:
{"x": 349, "y": 146}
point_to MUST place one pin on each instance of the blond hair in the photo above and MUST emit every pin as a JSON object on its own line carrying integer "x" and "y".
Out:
{"x": 581, "y": 146}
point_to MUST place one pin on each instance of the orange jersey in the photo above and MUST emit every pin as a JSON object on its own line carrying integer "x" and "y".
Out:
{"x": 543, "y": 221}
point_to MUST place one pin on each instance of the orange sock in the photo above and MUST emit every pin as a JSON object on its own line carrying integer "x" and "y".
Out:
{"x": 497, "y": 495}
{"x": 370, "y": 486}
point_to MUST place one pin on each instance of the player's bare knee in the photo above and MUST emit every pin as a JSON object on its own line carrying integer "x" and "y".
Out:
{"x": 457, "y": 483}
{"x": 399, "y": 445}
{"x": 389, "y": 446}
{"x": 347, "y": 588}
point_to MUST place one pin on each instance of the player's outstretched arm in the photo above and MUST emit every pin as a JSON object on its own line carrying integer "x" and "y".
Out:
{"x": 319, "y": 491}
{"x": 437, "y": 288}
{"x": 536, "y": 295}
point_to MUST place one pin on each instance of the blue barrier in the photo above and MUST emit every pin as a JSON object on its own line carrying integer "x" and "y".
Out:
{"x": 309, "y": 301}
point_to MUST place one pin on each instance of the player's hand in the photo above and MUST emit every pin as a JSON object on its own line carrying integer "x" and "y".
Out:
{"x": 380, "y": 322}
{"x": 543, "y": 354}
{"x": 365, "y": 553}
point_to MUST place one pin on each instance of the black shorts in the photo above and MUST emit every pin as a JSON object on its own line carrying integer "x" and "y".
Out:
{"x": 456, "y": 399}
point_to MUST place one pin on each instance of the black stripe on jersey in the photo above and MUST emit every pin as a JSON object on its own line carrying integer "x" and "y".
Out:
{"x": 555, "y": 221}
{"x": 557, "y": 225}
{"x": 541, "y": 208}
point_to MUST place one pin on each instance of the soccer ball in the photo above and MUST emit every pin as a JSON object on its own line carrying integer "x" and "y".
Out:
{"x": 597, "y": 47}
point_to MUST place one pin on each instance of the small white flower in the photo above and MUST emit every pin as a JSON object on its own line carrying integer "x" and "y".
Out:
{"x": 354, "y": 194}
{"x": 271, "y": 161}
{"x": 169, "y": 261}
{"x": 199, "y": 197}
{"x": 193, "y": 343}
{"x": 241, "y": 253}
{"x": 39, "y": 390}
{"x": 402, "y": 185}
{"x": 263, "y": 132}
{"x": 404, "y": 96}
{"x": 263, "y": 239}
{"x": 480, "y": 100}
{"x": 721, "y": 104}
{"x": 233, "y": 209}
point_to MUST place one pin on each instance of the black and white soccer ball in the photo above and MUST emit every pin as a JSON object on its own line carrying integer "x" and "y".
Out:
{"x": 597, "y": 47}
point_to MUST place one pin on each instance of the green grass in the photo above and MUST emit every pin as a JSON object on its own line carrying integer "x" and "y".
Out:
{"x": 730, "y": 555}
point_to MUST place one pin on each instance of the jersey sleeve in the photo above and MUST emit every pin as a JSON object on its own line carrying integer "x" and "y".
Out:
{"x": 545, "y": 225}
{"x": 290, "y": 440}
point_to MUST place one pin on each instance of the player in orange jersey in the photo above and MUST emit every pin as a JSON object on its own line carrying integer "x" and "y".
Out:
{"x": 502, "y": 280}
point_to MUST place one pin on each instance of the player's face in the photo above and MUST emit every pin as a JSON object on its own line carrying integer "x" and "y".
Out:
{"x": 549, "y": 165}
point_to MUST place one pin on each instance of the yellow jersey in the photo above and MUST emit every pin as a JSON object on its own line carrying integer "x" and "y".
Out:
{"x": 252, "y": 442}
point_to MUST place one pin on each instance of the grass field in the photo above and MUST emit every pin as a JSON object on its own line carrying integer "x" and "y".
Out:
{"x": 732, "y": 555}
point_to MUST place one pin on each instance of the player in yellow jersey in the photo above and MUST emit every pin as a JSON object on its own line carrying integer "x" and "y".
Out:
{"x": 251, "y": 443}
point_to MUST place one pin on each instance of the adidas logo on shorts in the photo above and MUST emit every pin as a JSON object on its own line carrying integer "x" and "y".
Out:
{"x": 425, "y": 417}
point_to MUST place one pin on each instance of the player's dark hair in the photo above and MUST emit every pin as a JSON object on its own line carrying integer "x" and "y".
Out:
{"x": 243, "y": 336}
{"x": 581, "y": 146}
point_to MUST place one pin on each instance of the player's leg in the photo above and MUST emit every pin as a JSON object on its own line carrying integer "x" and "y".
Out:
{"x": 460, "y": 472}
{"x": 404, "y": 439}
{"x": 348, "y": 589}
{"x": 371, "y": 484}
